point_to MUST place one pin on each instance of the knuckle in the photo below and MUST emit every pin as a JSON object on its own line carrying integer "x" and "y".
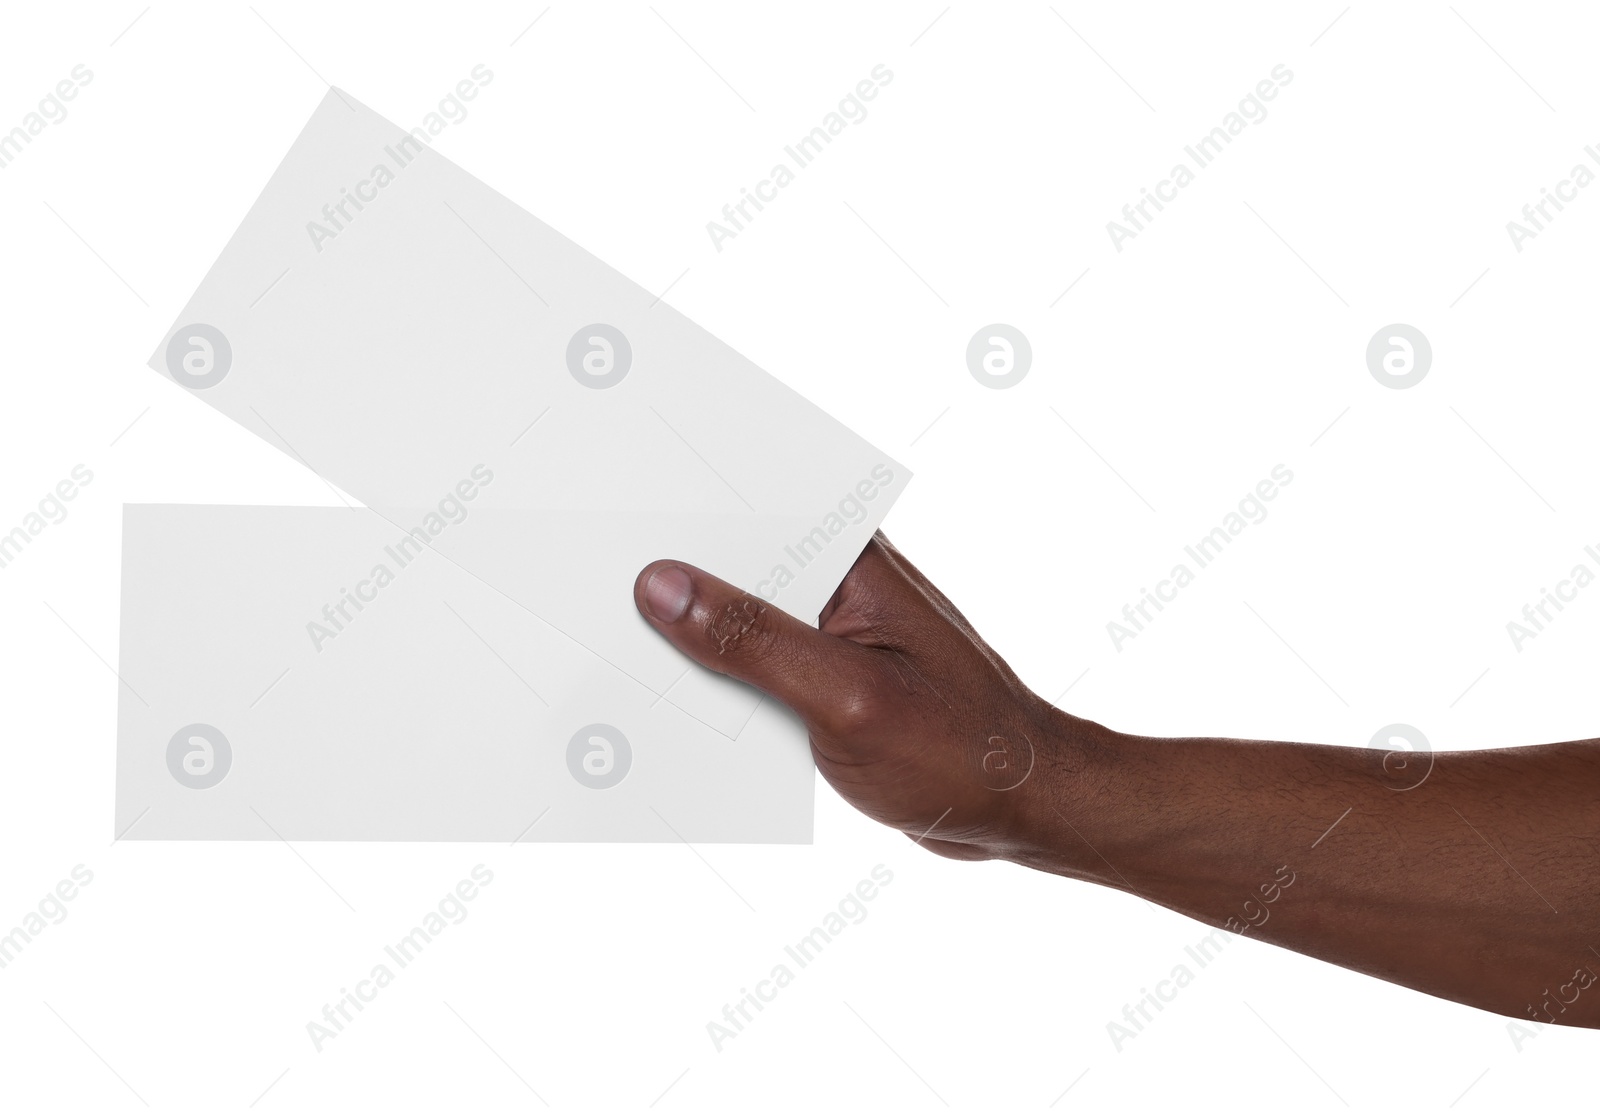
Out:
{"x": 843, "y": 696}
{"x": 856, "y": 705}
{"x": 738, "y": 626}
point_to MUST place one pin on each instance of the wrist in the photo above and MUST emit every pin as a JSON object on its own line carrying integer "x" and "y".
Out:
{"x": 1067, "y": 814}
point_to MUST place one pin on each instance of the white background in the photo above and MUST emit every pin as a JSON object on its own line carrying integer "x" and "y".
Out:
{"x": 1227, "y": 338}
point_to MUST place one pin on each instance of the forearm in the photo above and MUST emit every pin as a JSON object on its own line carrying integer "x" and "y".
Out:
{"x": 1477, "y": 882}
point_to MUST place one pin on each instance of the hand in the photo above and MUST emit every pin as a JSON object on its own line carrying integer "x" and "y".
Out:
{"x": 920, "y": 725}
{"x": 913, "y": 718}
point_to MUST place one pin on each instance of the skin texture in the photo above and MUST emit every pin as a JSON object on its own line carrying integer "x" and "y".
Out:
{"x": 1473, "y": 876}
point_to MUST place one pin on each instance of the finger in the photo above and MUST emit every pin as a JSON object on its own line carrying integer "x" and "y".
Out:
{"x": 849, "y": 611}
{"x": 918, "y": 582}
{"x": 824, "y": 679}
{"x": 877, "y": 603}
{"x": 885, "y": 602}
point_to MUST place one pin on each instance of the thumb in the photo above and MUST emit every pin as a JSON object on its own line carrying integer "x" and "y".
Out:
{"x": 823, "y": 678}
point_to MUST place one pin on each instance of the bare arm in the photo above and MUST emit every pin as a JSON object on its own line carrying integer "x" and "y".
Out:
{"x": 1474, "y": 876}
